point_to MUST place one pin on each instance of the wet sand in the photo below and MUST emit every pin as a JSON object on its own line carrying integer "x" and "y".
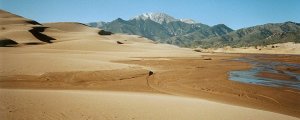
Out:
{"x": 277, "y": 76}
{"x": 198, "y": 77}
{"x": 208, "y": 79}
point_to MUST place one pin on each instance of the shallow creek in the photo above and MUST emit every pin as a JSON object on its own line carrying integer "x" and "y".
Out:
{"x": 268, "y": 73}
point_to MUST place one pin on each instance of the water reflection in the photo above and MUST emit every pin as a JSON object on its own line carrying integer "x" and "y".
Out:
{"x": 272, "y": 68}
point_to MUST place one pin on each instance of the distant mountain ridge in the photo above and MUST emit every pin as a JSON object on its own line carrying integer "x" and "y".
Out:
{"x": 164, "y": 28}
{"x": 259, "y": 35}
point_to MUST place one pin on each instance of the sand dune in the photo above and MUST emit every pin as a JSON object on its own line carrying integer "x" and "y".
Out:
{"x": 22, "y": 30}
{"x": 102, "y": 105}
{"x": 70, "y": 55}
{"x": 7, "y": 18}
{"x": 71, "y": 27}
{"x": 77, "y": 48}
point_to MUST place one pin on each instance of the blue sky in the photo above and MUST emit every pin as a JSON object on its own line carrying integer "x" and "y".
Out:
{"x": 234, "y": 13}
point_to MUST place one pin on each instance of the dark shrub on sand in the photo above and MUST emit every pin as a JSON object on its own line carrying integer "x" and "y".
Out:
{"x": 207, "y": 59}
{"x": 119, "y": 42}
{"x": 102, "y": 32}
{"x": 197, "y": 50}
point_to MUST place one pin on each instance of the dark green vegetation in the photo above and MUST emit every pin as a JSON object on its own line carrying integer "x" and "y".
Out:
{"x": 200, "y": 35}
{"x": 260, "y": 35}
{"x": 103, "y": 32}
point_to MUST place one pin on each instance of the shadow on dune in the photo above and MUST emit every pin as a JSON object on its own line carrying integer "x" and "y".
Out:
{"x": 7, "y": 43}
{"x": 33, "y": 22}
{"x": 82, "y": 24}
{"x": 34, "y": 43}
{"x": 36, "y": 32}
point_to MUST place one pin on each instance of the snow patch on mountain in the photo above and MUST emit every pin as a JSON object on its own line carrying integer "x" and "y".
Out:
{"x": 189, "y": 21}
{"x": 162, "y": 17}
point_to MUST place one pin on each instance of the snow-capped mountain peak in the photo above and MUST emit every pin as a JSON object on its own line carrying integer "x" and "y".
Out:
{"x": 156, "y": 17}
{"x": 161, "y": 17}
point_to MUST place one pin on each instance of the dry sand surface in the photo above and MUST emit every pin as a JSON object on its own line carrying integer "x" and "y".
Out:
{"x": 281, "y": 48}
{"x": 103, "y": 105}
{"x": 72, "y": 76}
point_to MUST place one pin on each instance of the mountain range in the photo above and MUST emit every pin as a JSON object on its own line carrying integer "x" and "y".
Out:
{"x": 163, "y": 28}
